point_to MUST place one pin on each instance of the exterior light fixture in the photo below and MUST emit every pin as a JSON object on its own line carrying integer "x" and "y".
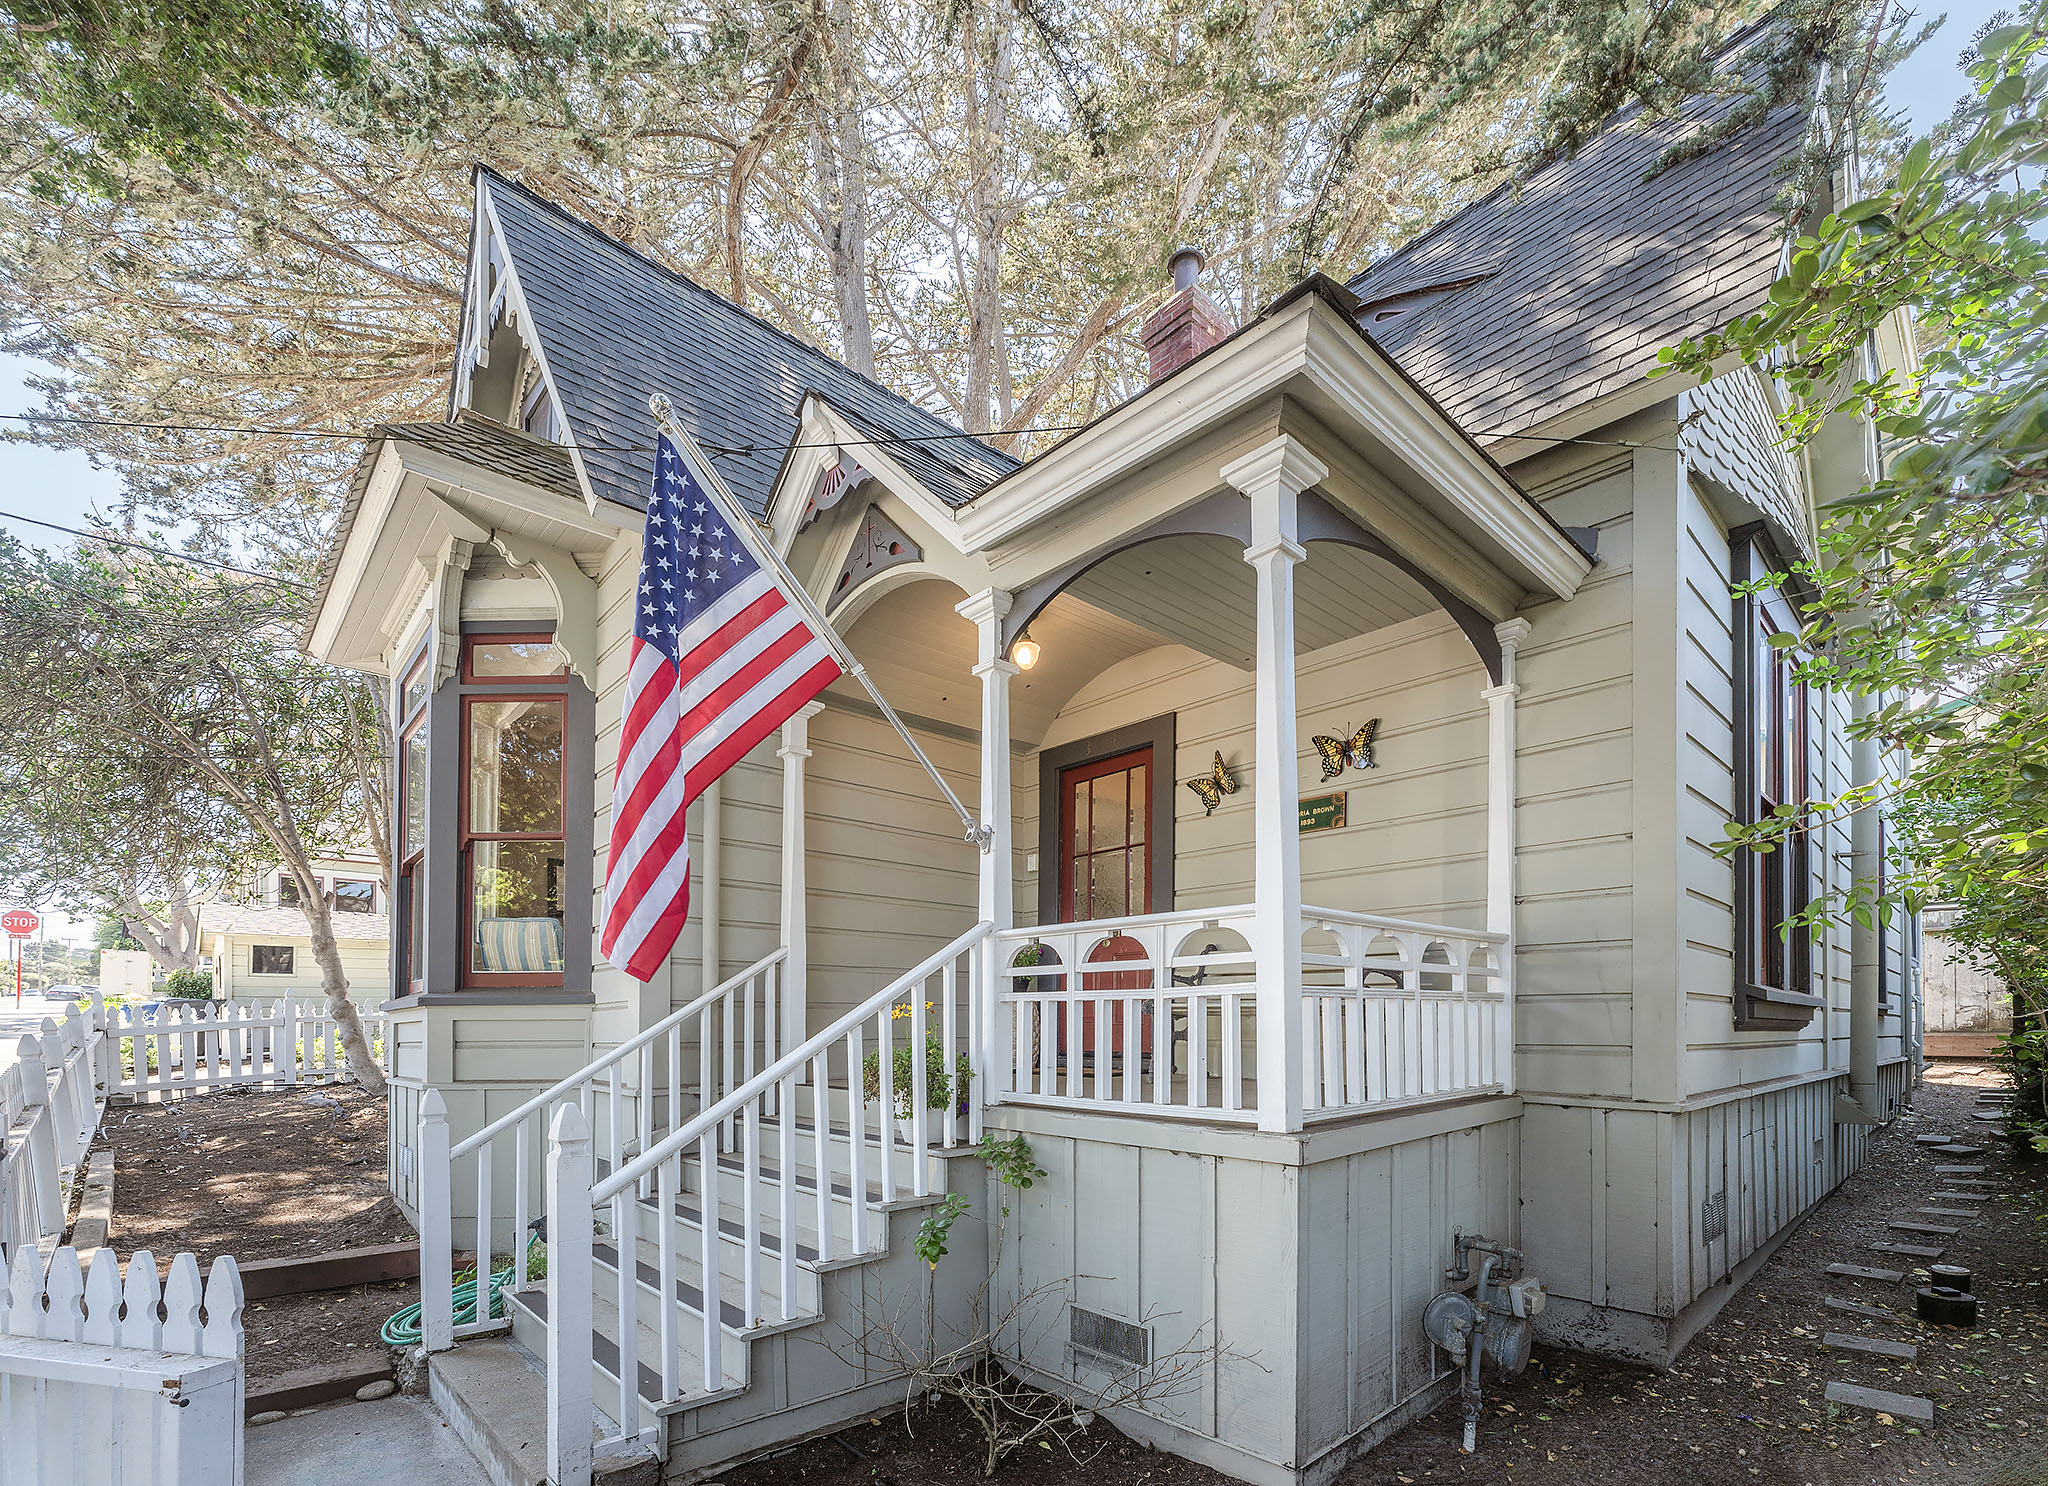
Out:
{"x": 1026, "y": 651}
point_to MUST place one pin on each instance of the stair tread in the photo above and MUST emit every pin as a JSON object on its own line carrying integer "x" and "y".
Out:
{"x": 732, "y": 1317}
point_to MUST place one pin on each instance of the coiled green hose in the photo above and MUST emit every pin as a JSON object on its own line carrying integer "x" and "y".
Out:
{"x": 402, "y": 1329}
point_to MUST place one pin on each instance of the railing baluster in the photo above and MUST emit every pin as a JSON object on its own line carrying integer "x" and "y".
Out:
{"x": 614, "y": 1085}
{"x": 856, "y": 1144}
{"x": 522, "y": 1197}
{"x": 725, "y": 1028}
{"x": 675, "y": 1078}
{"x": 643, "y": 1104}
{"x": 750, "y": 1219}
{"x": 821, "y": 1147}
{"x": 627, "y": 1252}
{"x": 785, "y": 1208}
{"x": 712, "y": 1275}
{"x": 949, "y": 1125}
{"x": 885, "y": 1118}
{"x": 483, "y": 1232}
{"x": 665, "y": 1268}
{"x": 920, "y": 1088}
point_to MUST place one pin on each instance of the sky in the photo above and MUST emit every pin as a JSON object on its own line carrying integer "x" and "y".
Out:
{"x": 62, "y": 486}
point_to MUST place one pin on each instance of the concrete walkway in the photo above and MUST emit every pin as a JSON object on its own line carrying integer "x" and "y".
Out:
{"x": 396, "y": 1439}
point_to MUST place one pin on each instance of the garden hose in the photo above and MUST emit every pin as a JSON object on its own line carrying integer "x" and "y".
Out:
{"x": 402, "y": 1329}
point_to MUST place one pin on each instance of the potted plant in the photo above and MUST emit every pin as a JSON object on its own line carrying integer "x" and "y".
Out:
{"x": 944, "y": 1088}
{"x": 1030, "y": 956}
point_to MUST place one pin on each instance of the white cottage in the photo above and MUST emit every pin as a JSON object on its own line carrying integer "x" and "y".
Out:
{"x": 1424, "y": 565}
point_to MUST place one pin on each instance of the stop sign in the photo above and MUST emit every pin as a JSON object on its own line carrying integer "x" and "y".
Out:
{"x": 20, "y": 922}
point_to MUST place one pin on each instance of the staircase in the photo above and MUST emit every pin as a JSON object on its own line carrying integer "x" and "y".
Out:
{"x": 747, "y": 1265}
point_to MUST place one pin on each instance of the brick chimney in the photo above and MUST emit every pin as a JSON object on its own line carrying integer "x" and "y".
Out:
{"x": 1187, "y": 324}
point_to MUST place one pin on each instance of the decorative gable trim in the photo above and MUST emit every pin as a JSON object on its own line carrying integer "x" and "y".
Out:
{"x": 879, "y": 544}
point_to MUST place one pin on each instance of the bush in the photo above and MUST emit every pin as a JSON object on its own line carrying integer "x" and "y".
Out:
{"x": 939, "y": 1084}
{"x": 189, "y": 985}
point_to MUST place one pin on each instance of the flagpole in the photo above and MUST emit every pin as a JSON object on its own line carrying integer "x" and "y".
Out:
{"x": 764, "y": 553}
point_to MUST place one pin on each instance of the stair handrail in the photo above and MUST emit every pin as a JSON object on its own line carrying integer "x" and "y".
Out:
{"x": 631, "y": 1045}
{"x": 648, "y": 1162}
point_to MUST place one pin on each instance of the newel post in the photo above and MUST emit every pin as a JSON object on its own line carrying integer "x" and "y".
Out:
{"x": 1272, "y": 477}
{"x": 570, "y": 1235}
{"x": 796, "y": 966}
{"x": 437, "y": 1228}
{"x": 996, "y": 895}
{"x": 1500, "y": 834}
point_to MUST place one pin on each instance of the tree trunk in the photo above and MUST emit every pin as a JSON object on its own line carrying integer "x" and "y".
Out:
{"x": 839, "y": 153}
{"x": 355, "y": 1043}
{"x": 988, "y": 111}
{"x": 171, "y": 938}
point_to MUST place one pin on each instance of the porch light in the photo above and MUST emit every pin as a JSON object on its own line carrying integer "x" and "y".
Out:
{"x": 1026, "y": 651}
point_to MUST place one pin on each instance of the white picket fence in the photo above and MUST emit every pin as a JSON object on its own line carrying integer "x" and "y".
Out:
{"x": 189, "y": 1047}
{"x": 50, "y": 1104}
{"x": 105, "y": 1379}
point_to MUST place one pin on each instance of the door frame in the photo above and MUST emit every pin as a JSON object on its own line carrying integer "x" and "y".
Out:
{"x": 1158, "y": 734}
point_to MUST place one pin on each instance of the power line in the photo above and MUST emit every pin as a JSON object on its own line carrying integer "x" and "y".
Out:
{"x": 100, "y": 536}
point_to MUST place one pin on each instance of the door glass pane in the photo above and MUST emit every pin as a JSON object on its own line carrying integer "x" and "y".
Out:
{"x": 1107, "y": 895}
{"x": 515, "y": 766}
{"x": 1137, "y": 870}
{"x": 516, "y": 914}
{"x": 1110, "y": 827}
{"x": 500, "y": 661}
{"x": 1138, "y": 800}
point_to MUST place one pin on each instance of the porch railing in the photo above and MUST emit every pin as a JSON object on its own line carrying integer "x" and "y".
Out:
{"x": 1157, "y": 1014}
{"x": 735, "y": 1028}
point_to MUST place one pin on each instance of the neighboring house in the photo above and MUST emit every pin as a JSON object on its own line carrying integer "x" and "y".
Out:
{"x": 262, "y": 947}
{"x": 1529, "y": 999}
{"x": 1968, "y": 1008}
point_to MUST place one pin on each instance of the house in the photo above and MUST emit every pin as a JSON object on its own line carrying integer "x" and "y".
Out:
{"x": 262, "y": 945}
{"x": 1427, "y": 579}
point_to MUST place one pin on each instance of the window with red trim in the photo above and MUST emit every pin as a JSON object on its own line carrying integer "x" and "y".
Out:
{"x": 513, "y": 836}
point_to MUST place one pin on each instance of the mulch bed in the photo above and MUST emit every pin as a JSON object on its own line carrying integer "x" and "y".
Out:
{"x": 1743, "y": 1405}
{"x": 265, "y": 1176}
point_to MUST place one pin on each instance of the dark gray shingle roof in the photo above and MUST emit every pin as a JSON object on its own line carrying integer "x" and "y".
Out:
{"x": 616, "y": 326}
{"x": 1583, "y": 269}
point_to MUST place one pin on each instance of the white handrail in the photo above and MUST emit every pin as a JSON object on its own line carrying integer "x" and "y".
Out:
{"x": 794, "y": 1061}
{"x": 631, "y": 1045}
{"x": 1311, "y": 915}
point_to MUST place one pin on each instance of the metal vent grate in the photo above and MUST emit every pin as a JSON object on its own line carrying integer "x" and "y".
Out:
{"x": 1714, "y": 1217}
{"x": 1097, "y": 1335}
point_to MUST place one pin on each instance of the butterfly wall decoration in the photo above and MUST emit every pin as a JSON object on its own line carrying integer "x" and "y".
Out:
{"x": 1355, "y": 750}
{"x": 1214, "y": 785}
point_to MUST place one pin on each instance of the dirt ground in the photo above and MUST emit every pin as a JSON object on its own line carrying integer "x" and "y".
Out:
{"x": 1743, "y": 1405}
{"x": 265, "y": 1176}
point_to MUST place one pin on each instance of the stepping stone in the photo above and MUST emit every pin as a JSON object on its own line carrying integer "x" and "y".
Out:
{"x": 1960, "y": 1150}
{"x": 1959, "y": 1197}
{"x": 1934, "y": 1139}
{"x": 1951, "y": 1212}
{"x": 1992, "y": 1116}
{"x": 1898, "y": 1405}
{"x": 1860, "y": 1272}
{"x": 1908, "y": 1250}
{"x": 1958, "y": 1171}
{"x": 1939, "y": 1230}
{"x": 1857, "y": 1308}
{"x": 1873, "y": 1346}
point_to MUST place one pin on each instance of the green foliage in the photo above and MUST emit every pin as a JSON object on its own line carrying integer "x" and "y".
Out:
{"x": 112, "y": 933}
{"x": 1013, "y": 1166}
{"x": 939, "y": 1084}
{"x": 189, "y": 985}
{"x": 1930, "y": 589}
{"x": 937, "y": 1228}
{"x": 171, "y": 80}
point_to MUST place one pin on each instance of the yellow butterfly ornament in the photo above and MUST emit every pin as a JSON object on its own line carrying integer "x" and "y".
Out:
{"x": 1355, "y": 751}
{"x": 1213, "y": 786}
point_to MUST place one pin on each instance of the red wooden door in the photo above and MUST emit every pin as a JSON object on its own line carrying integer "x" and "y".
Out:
{"x": 1105, "y": 872}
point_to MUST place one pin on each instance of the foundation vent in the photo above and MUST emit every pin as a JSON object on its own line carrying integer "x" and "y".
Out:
{"x": 1714, "y": 1217}
{"x": 1094, "y": 1336}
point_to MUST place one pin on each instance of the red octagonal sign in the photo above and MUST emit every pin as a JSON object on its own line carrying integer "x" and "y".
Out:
{"x": 20, "y": 922}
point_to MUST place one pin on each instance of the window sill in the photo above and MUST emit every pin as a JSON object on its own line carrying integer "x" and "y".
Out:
{"x": 493, "y": 996}
{"x": 1768, "y": 1009}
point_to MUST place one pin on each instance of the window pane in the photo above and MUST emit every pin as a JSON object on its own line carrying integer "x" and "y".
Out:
{"x": 415, "y": 767}
{"x": 515, "y": 766}
{"x": 516, "y": 916}
{"x": 1107, "y": 824}
{"x": 270, "y": 959}
{"x": 287, "y": 890}
{"x": 415, "y": 692}
{"x": 354, "y": 895}
{"x": 500, "y": 660}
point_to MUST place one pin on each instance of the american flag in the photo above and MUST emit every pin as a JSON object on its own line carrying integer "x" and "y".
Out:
{"x": 721, "y": 659}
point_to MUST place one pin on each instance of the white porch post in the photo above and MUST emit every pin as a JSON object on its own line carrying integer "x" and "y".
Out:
{"x": 1273, "y": 476}
{"x": 996, "y": 899}
{"x": 1500, "y": 833}
{"x": 796, "y": 966}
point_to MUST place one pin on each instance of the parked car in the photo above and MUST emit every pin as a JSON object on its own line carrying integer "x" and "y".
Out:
{"x": 64, "y": 993}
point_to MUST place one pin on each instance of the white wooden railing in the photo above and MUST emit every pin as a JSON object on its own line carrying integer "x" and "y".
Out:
{"x": 880, "y": 1154}
{"x": 180, "y": 1047}
{"x": 50, "y": 1103}
{"x": 736, "y": 1030}
{"x": 1157, "y": 1014}
{"x": 95, "y": 1387}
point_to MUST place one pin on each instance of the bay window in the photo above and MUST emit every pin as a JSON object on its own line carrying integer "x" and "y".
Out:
{"x": 1776, "y": 774}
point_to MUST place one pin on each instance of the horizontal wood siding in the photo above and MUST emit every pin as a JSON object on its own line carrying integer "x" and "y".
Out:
{"x": 365, "y": 963}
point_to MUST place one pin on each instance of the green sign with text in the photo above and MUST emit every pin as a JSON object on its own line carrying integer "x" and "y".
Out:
{"x": 1323, "y": 812}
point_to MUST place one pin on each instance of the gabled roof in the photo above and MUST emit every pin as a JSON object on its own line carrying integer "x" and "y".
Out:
{"x": 614, "y": 326}
{"x": 287, "y": 923}
{"x": 1581, "y": 271}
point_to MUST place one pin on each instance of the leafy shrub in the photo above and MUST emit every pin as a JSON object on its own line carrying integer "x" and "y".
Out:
{"x": 189, "y": 985}
{"x": 939, "y": 1083}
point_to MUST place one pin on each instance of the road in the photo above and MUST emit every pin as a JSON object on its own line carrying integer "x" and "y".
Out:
{"x": 13, "y": 1024}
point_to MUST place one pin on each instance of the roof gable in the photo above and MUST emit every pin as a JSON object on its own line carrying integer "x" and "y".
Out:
{"x": 1578, "y": 273}
{"x": 615, "y": 326}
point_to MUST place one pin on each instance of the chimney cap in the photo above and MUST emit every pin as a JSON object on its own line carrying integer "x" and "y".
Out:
{"x": 1186, "y": 266}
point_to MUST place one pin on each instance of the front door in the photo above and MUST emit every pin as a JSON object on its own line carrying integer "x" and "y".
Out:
{"x": 1105, "y": 872}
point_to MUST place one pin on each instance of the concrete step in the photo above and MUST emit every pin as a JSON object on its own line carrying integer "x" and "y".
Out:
{"x": 495, "y": 1399}
{"x": 1898, "y": 1405}
{"x": 1871, "y": 1346}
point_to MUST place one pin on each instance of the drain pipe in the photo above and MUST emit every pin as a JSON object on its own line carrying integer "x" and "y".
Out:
{"x": 1865, "y": 943}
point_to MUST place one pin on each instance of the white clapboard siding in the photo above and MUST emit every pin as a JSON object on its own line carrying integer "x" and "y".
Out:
{"x": 90, "y": 1393}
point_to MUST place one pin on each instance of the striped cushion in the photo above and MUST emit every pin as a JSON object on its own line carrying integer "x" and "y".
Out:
{"x": 532, "y": 945}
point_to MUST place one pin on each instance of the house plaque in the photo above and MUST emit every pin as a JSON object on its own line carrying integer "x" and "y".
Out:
{"x": 1323, "y": 812}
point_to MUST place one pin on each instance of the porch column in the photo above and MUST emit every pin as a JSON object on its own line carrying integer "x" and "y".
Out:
{"x": 996, "y": 896}
{"x": 1272, "y": 477}
{"x": 1500, "y": 831}
{"x": 796, "y": 967}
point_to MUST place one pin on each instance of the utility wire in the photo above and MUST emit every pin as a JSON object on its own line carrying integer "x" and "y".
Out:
{"x": 100, "y": 536}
